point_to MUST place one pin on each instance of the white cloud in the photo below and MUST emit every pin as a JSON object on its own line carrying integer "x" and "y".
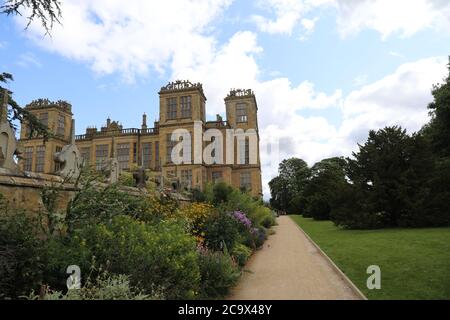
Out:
{"x": 288, "y": 14}
{"x": 398, "y": 99}
{"x": 403, "y": 17}
{"x": 132, "y": 37}
{"x": 27, "y": 60}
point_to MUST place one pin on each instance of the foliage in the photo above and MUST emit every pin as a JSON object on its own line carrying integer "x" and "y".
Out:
{"x": 439, "y": 127}
{"x": 241, "y": 254}
{"x": 218, "y": 274}
{"x": 161, "y": 255}
{"x": 197, "y": 215}
{"x": 104, "y": 287}
{"x": 22, "y": 254}
{"x": 47, "y": 11}
{"x": 292, "y": 178}
{"x": 94, "y": 204}
{"x": 221, "y": 230}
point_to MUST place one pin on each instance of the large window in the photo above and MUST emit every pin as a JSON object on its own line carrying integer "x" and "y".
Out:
{"x": 86, "y": 155}
{"x": 101, "y": 155}
{"x": 244, "y": 151}
{"x": 40, "y": 158}
{"x": 157, "y": 164}
{"x": 43, "y": 118}
{"x": 170, "y": 145}
{"x": 28, "y": 159}
{"x": 216, "y": 176}
{"x": 241, "y": 113}
{"x": 186, "y": 111}
{"x": 123, "y": 155}
{"x": 186, "y": 178}
{"x": 246, "y": 181}
{"x": 147, "y": 155}
{"x": 171, "y": 108}
{"x": 61, "y": 125}
{"x": 58, "y": 164}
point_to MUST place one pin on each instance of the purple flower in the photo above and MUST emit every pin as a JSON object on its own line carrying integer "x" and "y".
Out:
{"x": 242, "y": 218}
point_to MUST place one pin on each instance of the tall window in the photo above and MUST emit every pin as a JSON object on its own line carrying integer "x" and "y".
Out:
{"x": 246, "y": 181}
{"x": 216, "y": 176}
{"x": 157, "y": 164}
{"x": 186, "y": 178}
{"x": 147, "y": 155}
{"x": 58, "y": 164}
{"x": 244, "y": 151}
{"x": 101, "y": 155}
{"x": 171, "y": 108}
{"x": 134, "y": 152}
{"x": 170, "y": 144}
{"x": 43, "y": 118}
{"x": 86, "y": 155}
{"x": 61, "y": 125}
{"x": 28, "y": 159}
{"x": 40, "y": 158}
{"x": 123, "y": 155}
{"x": 186, "y": 111}
{"x": 241, "y": 113}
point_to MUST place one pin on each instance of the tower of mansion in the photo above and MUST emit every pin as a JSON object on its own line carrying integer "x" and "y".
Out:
{"x": 234, "y": 152}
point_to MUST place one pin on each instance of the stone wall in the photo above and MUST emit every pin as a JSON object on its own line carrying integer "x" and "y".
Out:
{"x": 23, "y": 191}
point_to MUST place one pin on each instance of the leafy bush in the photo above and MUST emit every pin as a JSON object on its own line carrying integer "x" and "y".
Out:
{"x": 241, "y": 254}
{"x": 161, "y": 255}
{"x": 197, "y": 214}
{"x": 221, "y": 230}
{"x": 105, "y": 287}
{"x": 22, "y": 255}
{"x": 218, "y": 274}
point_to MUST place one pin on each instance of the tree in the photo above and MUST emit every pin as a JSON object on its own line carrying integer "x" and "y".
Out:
{"x": 327, "y": 177}
{"x": 286, "y": 189}
{"x": 47, "y": 11}
{"x": 439, "y": 126}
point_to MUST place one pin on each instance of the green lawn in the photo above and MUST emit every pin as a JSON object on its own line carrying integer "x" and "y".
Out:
{"x": 415, "y": 263}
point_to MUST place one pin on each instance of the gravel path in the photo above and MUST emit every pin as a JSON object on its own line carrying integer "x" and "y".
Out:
{"x": 289, "y": 267}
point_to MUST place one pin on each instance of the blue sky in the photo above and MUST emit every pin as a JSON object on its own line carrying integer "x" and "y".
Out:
{"x": 324, "y": 72}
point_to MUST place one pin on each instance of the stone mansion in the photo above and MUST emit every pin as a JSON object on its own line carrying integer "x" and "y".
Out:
{"x": 181, "y": 106}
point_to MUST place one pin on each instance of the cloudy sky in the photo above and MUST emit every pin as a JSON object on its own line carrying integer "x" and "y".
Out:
{"x": 324, "y": 71}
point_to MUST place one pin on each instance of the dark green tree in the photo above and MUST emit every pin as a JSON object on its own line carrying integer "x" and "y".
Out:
{"x": 327, "y": 176}
{"x": 287, "y": 187}
{"x": 439, "y": 126}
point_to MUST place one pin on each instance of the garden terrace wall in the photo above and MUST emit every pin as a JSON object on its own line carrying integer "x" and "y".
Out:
{"x": 24, "y": 190}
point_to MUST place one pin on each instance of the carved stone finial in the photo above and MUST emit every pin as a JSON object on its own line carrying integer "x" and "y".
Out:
{"x": 8, "y": 143}
{"x": 69, "y": 158}
{"x": 140, "y": 178}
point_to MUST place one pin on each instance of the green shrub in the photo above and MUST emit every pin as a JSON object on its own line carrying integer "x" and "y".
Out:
{"x": 161, "y": 255}
{"x": 22, "y": 255}
{"x": 105, "y": 287}
{"x": 218, "y": 274}
{"x": 241, "y": 254}
{"x": 221, "y": 230}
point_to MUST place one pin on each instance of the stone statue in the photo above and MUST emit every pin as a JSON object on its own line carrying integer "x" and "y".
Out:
{"x": 69, "y": 158}
{"x": 8, "y": 143}
{"x": 111, "y": 166}
{"x": 140, "y": 178}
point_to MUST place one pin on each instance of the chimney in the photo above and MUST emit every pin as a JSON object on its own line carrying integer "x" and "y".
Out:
{"x": 144, "y": 121}
{"x": 108, "y": 122}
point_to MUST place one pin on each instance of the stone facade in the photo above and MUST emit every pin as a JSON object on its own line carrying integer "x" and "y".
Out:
{"x": 181, "y": 106}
